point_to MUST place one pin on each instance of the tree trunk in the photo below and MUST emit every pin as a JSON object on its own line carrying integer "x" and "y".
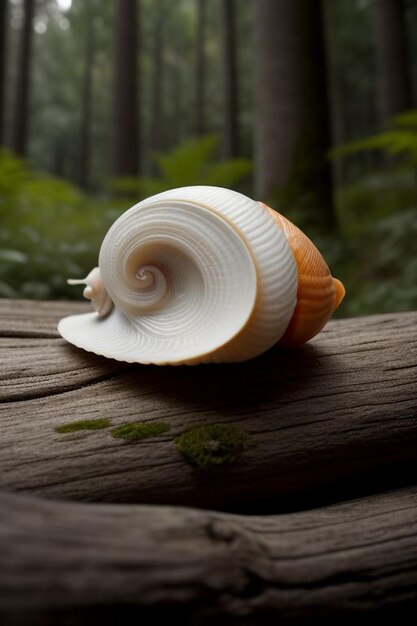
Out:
{"x": 174, "y": 117}
{"x": 156, "y": 138}
{"x": 201, "y": 68}
{"x": 86, "y": 103}
{"x": 292, "y": 114}
{"x": 176, "y": 124}
{"x": 276, "y": 93}
{"x": 310, "y": 187}
{"x": 3, "y": 29}
{"x": 231, "y": 138}
{"x": 21, "y": 111}
{"x": 395, "y": 80}
{"x": 125, "y": 144}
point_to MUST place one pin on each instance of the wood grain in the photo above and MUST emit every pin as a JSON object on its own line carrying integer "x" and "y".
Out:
{"x": 72, "y": 563}
{"x": 334, "y": 418}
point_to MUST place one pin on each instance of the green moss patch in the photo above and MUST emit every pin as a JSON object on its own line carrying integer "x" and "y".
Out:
{"x": 135, "y": 431}
{"x": 73, "y": 427}
{"x": 212, "y": 445}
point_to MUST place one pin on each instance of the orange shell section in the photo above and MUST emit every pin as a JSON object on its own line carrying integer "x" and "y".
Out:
{"x": 318, "y": 294}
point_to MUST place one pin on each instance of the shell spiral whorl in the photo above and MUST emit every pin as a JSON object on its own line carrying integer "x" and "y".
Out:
{"x": 184, "y": 274}
{"x": 196, "y": 275}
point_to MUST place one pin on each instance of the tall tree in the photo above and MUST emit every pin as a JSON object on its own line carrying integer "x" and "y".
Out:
{"x": 200, "y": 79}
{"x": 231, "y": 135}
{"x": 86, "y": 101}
{"x": 174, "y": 90}
{"x": 276, "y": 93}
{"x": 395, "y": 78}
{"x": 292, "y": 133}
{"x": 125, "y": 140}
{"x": 21, "y": 106}
{"x": 3, "y": 29}
{"x": 157, "y": 82}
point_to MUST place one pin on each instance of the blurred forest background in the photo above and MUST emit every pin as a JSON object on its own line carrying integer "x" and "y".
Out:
{"x": 309, "y": 105}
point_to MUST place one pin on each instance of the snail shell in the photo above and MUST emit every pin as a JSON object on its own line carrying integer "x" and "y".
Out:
{"x": 202, "y": 274}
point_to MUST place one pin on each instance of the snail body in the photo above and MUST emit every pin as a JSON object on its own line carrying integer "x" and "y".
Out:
{"x": 202, "y": 274}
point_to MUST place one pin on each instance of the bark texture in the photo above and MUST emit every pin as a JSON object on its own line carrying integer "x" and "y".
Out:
{"x": 21, "y": 110}
{"x": 292, "y": 134}
{"x": 125, "y": 143}
{"x": 86, "y": 102}
{"x": 276, "y": 92}
{"x": 3, "y": 60}
{"x": 391, "y": 39}
{"x": 158, "y": 75}
{"x": 200, "y": 79}
{"x": 231, "y": 112}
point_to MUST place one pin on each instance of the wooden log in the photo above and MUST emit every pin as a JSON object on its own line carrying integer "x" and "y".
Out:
{"x": 76, "y": 563}
{"x": 333, "y": 419}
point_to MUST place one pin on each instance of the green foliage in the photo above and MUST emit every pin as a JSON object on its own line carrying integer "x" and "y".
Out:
{"x": 135, "y": 431}
{"x": 13, "y": 173}
{"x": 400, "y": 140}
{"x": 188, "y": 162}
{"x": 212, "y": 445}
{"x": 49, "y": 232}
{"x": 374, "y": 197}
{"x": 72, "y": 427}
{"x": 376, "y": 256}
{"x": 383, "y": 266}
{"x": 377, "y": 259}
{"x": 191, "y": 163}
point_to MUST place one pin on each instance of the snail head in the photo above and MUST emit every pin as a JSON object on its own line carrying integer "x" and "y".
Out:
{"x": 95, "y": 291}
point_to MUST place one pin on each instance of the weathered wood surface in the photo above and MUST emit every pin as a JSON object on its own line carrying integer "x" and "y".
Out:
{"x": 333, "y": 419}
{"x": 66, "y": 563}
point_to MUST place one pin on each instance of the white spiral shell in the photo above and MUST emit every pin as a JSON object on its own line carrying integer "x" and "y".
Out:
{"x": 196, "y": 274}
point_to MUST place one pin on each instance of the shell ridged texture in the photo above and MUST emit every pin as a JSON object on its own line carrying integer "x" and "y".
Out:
{"x": 196, "y": 274}
{"x": 318, "y": 293}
